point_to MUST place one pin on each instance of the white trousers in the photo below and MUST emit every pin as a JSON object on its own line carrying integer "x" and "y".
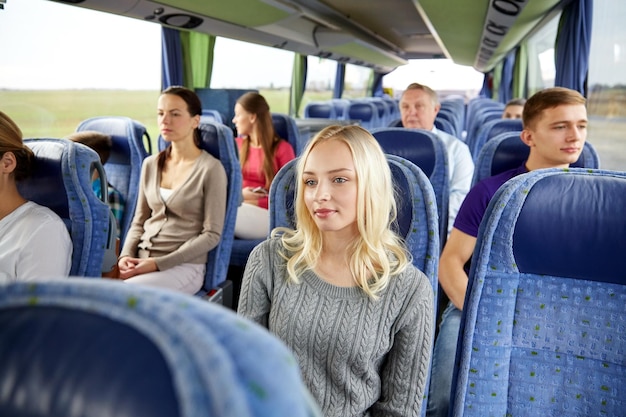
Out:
{"x": 253, "y": 222}
{"x": 186, "y": 278}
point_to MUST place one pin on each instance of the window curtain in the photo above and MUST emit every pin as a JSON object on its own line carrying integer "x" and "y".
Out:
{"x": 505, "y": 90}
{"x": 198, "y": 51}
{"x": 520, "y": 72}
{"x": 171, "y": 58}
{"x": 572, "y": 46}
{"x": 377, "y": 84}
{"x": 340, "y": 79}
{"x": 486, "y": 89}
{"x": 298, "y": 83}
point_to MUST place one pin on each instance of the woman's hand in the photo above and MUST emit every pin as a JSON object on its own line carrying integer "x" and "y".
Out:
{"x": 252, "y": 195}
{"x": 130, "y": 267}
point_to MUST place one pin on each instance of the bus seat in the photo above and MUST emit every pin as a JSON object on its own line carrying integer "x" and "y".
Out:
{"x": 340, "y": 105}
{"x": 455, "y": 119}
{"x": 543, "y": 330}
{"x": 320, "y": 109}
{"x": 446, "y": 126}
{"x": 428, "y": 152}
{"x": 507, "y": 151}
{"x": 217, "y": 139}
{"x": 211, "y": 115}
{"x": 286, "y": 128}
{"x": 490, "y": 130}
{"x": 365, "y": 112}
{"x": 61, "y": 181}
{"x": 123, "y": 168}
{"x": 90, "y": 348}
{"x": 383, "y": 111}
{"x": 417, "y": 220}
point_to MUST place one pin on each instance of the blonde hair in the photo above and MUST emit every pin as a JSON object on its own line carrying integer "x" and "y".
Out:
{"x": 11, "y": 141}
{"x": 378, "y": 253}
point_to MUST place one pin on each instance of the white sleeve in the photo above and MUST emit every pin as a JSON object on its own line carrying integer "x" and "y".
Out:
{"x": 47, "y": 252}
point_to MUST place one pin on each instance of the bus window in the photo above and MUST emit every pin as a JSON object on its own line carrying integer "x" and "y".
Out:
{"x": 356, "y": 81}
{"x": 77, "y": 64}
{"x": 607, "y": 84}
{"x": 320, "y": 81}
{"x": 541, "y": 68}
{"x": 243, "y": 65}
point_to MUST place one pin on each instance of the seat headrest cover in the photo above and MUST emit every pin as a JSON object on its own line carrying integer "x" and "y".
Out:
{"x": 573, "y": 225}
{"x": 68, "y": 362}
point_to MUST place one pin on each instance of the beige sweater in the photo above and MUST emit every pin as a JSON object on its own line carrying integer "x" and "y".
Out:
{"x": 188, "y": 225}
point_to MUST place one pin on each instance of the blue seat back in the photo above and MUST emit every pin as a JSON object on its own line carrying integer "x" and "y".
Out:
{"x": 320, "y": 109}
{"x": 490, "y": 130}
{"x": 340, "y": 105}
{"x": 286, "y": 128}
{"x": 428, "y": 152}
{"x": 543, "y": 328}
{"x": 445, "y": 126}
{"x": 507, "y": 151}
{"x": 365, "y": 112}
{"x": 99, "y": 348}
{"x": 211, "y": 115}
{"x": 217, "y": 139}
{"x": 61, "y": 180}
{"x": 123, "y": 168}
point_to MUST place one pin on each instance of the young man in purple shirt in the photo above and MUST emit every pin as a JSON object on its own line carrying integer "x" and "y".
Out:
{"x": 555, "y": 130}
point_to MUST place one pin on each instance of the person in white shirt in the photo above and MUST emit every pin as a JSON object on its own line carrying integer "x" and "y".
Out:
{"x": 34, "y": 242}
{"x": 419, "y": 106}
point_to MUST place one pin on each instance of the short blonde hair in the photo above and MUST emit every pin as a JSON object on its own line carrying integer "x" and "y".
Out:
{"x": 378, "y": 253}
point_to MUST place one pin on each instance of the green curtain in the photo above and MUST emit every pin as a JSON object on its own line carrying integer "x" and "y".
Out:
{"x": 497, "y": 80}
{"x": 298, "y": 83}
{"x": 197, "y": 58}
{"x": 520, "y": 71}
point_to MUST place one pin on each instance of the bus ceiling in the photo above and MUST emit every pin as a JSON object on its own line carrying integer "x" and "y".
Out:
{"x": 381, "y": 35}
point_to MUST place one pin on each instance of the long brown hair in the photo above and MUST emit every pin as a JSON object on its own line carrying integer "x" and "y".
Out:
{"x": 256, "y": 104}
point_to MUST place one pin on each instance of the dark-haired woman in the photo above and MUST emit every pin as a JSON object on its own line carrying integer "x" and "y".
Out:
{"x": 181, "y": 204}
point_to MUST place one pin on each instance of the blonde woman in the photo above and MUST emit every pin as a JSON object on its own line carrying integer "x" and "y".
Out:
{"x": 34, "y": 242}
{"x": 340, "y": 290}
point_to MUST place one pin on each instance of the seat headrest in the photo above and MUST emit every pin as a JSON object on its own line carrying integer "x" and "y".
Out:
{"x": 72, "y": 362}
{"x": 573, "y": 225}
{"x": 414, "y": 145}
{"x": 45, "y": 185}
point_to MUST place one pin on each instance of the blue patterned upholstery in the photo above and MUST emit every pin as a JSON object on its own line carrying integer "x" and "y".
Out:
{"x": 507, "y": 151}
{"x": 61, "y": 180}
{"x": 490, "y": 130}
{"x": 417, "y": 219}
{"x": 544, "y": 325}
{"x": 217, "y": 139}
{"x": 123, "y": 168}
{"x": 103, "y": 348}
{"x": 428, "y": 152}
{"x": 340, "y": 105}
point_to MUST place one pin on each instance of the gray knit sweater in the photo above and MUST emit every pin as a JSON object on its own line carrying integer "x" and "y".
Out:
{"x": 358, "y": 356}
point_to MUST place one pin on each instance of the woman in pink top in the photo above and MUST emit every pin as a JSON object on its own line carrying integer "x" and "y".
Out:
{"x": 261, "y": 153}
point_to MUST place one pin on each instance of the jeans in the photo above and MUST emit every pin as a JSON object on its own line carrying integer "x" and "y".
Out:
{"x": 443, "y": 363}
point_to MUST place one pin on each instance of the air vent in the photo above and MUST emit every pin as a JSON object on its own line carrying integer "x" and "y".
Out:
{"x": 180, "y": 20}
